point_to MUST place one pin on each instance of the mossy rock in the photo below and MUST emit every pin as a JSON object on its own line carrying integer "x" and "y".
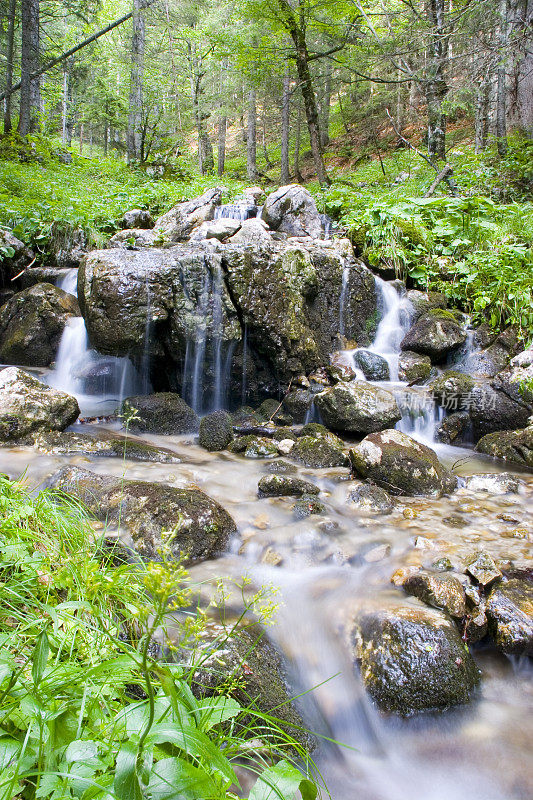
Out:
{"x": 162, "y": 412}
{"x": 285, "y": 486}
{"x": 319, "y": 452}
{"x": 216, "y": 431}
{"x": 513, "y": 446}
{"x": 307, "y": 506}
{"x": 510, "y": 616}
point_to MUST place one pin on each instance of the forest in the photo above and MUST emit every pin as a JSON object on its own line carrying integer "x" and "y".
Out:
{"x": 266, "y": 399}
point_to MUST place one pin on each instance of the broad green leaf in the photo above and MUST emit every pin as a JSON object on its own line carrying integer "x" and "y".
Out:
{"x": 40, "y": 657}
{"x": 126, "y": 784}
{"x": 281, "y": 782}
{"x": 176, "y": 779}
{"x": 194, "y": 743}
{"x": 215, "y": 710}
{"x": 9, "y": 749}
{"x": 81, "y": 750}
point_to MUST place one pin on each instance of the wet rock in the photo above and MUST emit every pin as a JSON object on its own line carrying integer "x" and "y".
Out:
{"x": 220, "y": 229}
{"x": 483, "y": 569}
{"x": 186, "y": 521}
{"x": 372, "y": 498}
{"x": 412, "y": 659}
{"x": 137, "y": 218}
{"x": 401, "y": 465}
{"x": 28, "y": 406}
{"x": 510, "y": 616}
{"x": 291, "y": 209}
{"x": 69, "y": 245}
{"x": 513, "y": 446}
{"x": 494, "y": 358}
{"x": 280, "y": 467}
{"x": 413, "y": 367}
{"x": 254, "y": 447}
{"x": 133, "y": 238}
{"x": 422, "y": 302}
{"x": 498, "y": 406}
{"x": 298, "y": 403}
{"x": 285, "y": 486}
{"x": 271, "y": 410}
{"x": 454, "y": 428}
{"x": 319, "y": 431}
{"x": 438, "y": 589}
{"x": 357, "y": 407}
{"x": 69, "y": 442}
{"x": 15, "y": 256}
{"x": 500, "y": 483}
{"x": 307, "y": 506}
{"x": 253, "y": 233}
{"x": 373, "y": 366}
{"x": 178, "y": 223}
{"x": 216, "y": 431}
{"x": 434, "y": 334}
{"x": 162, "y": 412}
{"x": 452, "y": 390}
{"x": 32, "y": 322}
{"x": 319, "y": 453}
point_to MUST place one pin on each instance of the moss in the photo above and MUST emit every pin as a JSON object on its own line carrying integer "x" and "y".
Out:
{"x": 444, "y": 313}
{"x": 357, "y": 235}
{"x": 415, "y": 234}
{"x": 319, "y": 452}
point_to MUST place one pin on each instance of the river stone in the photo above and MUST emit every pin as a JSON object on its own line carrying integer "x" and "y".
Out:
{"x": 514, "y": 446}
{"x": 454, "y": 427}
{"x": 280, "y": 467}
{"x": 435, "y": 335}
{"x": 31, "y": 324}
{"x": 291, "y": 209}
{"x": 412, "y": 659}
{"x": 28, "y": 406}
{"x": 252, "y": 233}
{"x": 137, "y": 218}
{"x": 483, "y": 569}
{"x": 188, "y": 522}
{"x": 216, "y": 431}
{"x": 438, "y": 589}
{"x": 285, "y": 486}
{"x": 422, "y": 302}
{"x": 251, "y": 446}
{"x": 357, "y": 407}
{"x": 178, "y": 223}
{"x": 69, "y": 442}
{"x": 372, "y": 498}
{"x": 298, "y": 403}
{"x": 413, "y": 367}
{"x": 401, "y": 465}
{"x": 162, "y": 412}
{"x": 373, "y": 366}
{"x": 306, "y": 506}
{"x": 319, "y": 453}
{"x": 510, "y": 616}
{"x": 216, "y": 229}
{"x": 499, "y": 483}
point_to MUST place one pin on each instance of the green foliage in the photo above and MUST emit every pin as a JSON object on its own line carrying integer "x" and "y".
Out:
{"x": 85, "y": 711}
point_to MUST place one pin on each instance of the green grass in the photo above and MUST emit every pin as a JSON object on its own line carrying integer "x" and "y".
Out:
{"x": 85, "y": 711}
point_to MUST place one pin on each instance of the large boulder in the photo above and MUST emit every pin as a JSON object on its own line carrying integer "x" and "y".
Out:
{"x": 220, "y": 229}
{"x": 253, "y": 233}
{"x": 133, "y": 238}
{"x": 412, "y": 659}
{"x": 357, "y": 407}
{"x": 510, "y": 616}
{"x": 28, "y": 406}
{"x": 178, "y": 223}
{"x": 401, "y": 465}
{"x": 373, "y": 366}
{"x": 514, "y": 446}
{"x": 413, "y": 367}
{"x": 434, "y": 334}
{"x": 318, "y": 452}
{"x": 14, "y": 256}
{"x": 31, "y": 324}
{"x": 137, "y": 218}
{"x": 291, "y": 209}
{"x": 161, "y": 412}
{"x": 216, "y": 431}
{"x": 187, "y": 522}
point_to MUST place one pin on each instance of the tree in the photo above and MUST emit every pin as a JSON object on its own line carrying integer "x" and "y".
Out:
{"x": 135, "y": 115}
{"x": 29, "y": 64}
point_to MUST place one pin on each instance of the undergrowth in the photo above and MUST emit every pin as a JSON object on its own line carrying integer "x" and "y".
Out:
{"x": 87, "y": 710}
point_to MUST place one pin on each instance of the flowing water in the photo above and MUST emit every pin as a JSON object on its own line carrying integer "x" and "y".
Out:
{"x": 326, "y": 565}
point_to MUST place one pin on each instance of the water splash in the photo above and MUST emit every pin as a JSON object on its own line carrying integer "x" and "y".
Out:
{"x": 69, "y": 281}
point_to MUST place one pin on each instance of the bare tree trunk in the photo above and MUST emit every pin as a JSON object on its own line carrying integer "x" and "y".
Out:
{"x": 138, "y": 40}
{"x": 436, "y": 87}
{"x": 285, "y": 127}
{"x": 297, "y": 172}
{"x": 501, "y": 91}
{"x": 251, "y": 137}
{"x": 29, "y": 63}
{"x": 206, "y": 161}
{"x": 81, "y": 138}
{"x": 482, "y": 114}
{"x": 35, "y": 83}
{"x": 520, "y": 97}
{"x": 325, "y": 106}
{"x": 222, "y": 122}
{"x": 10, "y": 55}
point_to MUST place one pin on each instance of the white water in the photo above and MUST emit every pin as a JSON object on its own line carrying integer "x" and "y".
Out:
{"x": 69, "y": 281}
{"x": 239, "y": 210}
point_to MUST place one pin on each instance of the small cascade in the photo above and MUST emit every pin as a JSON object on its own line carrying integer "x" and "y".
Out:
{"x": 465, "y": 359}
{"x": 199, "y": 349}
{"x": 99, "y": 383}
{"x": 240, "y": 210}
{"x": 69, "y": 281}
{"x": 420, "y": 414}
{"x": 327, "y": 225}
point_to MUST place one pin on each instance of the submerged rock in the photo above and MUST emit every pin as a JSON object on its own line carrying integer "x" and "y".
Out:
{"x": 285, "y": 486}
{"x": 400, "y": 464}
{"x": 412, "y": 659}
{"x": 514, "y": 446}
{"x": 162, "y": 412}
{"x": 186, "y": 521}
{"x": 306, "y": 506}
{"x": 32, "y": 322}
{"x": 254, "y": 447}
{"x": 435, "y": 334}
{"x": 28, "y": 406}
{"x": 216, "y": 431}
{"x": 500, "y": 483}
{"x": 358, "y": 407}
{"x": 510, "y": 616}
{"x": 372, "y": 498}
{"x": 318, "y": 452}
{"x": 291, "y": 209}
{"x": 69, "y": 442}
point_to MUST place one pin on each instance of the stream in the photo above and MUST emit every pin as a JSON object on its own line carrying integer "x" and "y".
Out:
{"x": 324, "y": 565}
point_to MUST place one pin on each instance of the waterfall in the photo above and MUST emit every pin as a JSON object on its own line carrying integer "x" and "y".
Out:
{"x": 394, "y": 324}
{"x": 69, "y": 281}
{"x": 72, "y": 356}
{"x": 218, "y": 334}
{"x": 240, "y": 210}
{"x": 145, "y": 361}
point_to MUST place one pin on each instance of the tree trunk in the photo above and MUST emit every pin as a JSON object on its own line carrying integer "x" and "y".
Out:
{"x": 325, "y": 105}
{"x": 138, "y": 39}
{"x": 251, "y": 137}
{"x": 297, "y": 33}
{"x": 482, "y": 113}
{"x": 297, "y": 172}
{"x": 206, "y": 161}
{"x": 10, "y": 55}
{"x": 501, "y": 90}
{"x": 29, "y": 63}
{"x": 81, "y": 138}
{"x": 436, "y": 87}
{"x": 520, "y": 102}
{"x": 222, "y": 122}
{"x": 285, "y": 127}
